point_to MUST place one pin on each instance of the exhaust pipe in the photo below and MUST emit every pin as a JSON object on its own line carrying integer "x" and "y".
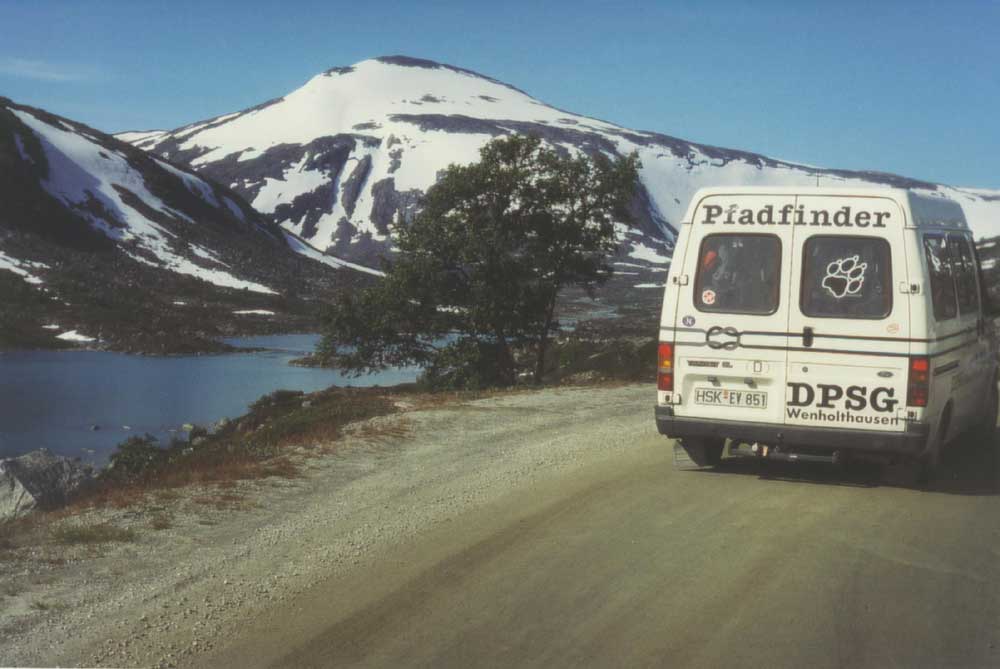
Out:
{"x": 775, "y": 453}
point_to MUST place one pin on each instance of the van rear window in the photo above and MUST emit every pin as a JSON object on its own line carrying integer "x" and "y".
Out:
{"x": 738, "y": 274}
{"x": 846, "y": 277}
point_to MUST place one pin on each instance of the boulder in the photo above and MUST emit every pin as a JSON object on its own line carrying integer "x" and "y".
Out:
{"x": 39, "y": 480}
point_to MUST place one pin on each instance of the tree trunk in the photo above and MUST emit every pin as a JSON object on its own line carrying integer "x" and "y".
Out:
{"x": 543, "y": 342}
{"x": 505, "y": 361}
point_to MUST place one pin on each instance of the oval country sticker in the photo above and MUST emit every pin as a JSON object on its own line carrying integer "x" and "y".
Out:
{"x": 708, "y": 296}
{"x": 688, "y": 321}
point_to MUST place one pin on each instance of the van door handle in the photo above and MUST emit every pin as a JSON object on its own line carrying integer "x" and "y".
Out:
{"x": 807, "y": 336}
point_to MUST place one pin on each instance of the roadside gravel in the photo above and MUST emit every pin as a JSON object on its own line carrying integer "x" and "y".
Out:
{"x": 222, "y": 556}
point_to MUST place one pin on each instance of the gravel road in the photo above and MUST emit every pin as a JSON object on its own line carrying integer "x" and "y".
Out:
{"x": 539, "y": 529}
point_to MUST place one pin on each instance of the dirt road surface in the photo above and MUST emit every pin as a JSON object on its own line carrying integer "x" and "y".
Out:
{"x": 550, "y": 529}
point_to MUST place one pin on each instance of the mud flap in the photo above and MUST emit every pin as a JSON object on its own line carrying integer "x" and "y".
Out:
{"x": 690, "y": 456}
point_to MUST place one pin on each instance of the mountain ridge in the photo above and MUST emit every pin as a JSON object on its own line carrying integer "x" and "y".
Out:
{"x": 347, "y": 154}
{"x": 106, "y": 244}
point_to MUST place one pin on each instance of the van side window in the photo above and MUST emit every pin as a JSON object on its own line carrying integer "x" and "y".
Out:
{"x": 939, "y": 268}
{"x": 964, "y": 269}
{"x": 738, "y": 274}
{"x": 986, "y": 252}
{"x": 846, "y": 277}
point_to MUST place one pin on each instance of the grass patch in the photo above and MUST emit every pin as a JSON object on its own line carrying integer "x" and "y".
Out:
{"x": 223, "y": 501}
{"x": 161, "y": 521}
{"x": 20, "y": 533}
{"x": 253, "y": 446}
{"x": 379, "y": 431}
{"x": 48, "y": 606}
{"x": 97, "y": 533}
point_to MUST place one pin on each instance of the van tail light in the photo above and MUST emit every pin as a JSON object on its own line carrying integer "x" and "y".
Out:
{"x": 665, "y": 367}
{"x": 918, "y": 382}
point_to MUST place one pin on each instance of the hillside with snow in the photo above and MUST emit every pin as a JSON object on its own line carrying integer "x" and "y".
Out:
{"x": 97, "y": 236}
{"x": 339, "y": 159}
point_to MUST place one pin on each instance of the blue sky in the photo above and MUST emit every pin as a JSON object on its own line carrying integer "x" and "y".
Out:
{"x": 905, "y": 87}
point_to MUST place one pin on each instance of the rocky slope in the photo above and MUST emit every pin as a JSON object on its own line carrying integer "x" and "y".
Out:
{"x": 105, "y": 244}
{"x": 339, "y": 159}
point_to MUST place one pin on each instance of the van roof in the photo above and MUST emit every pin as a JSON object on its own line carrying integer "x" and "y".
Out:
{"x": 928, "y": 209}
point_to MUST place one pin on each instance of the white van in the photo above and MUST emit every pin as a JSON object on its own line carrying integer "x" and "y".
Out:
{"x": 817, "y": 324}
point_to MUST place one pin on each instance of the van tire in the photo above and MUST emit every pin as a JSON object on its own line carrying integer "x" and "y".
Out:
{"x": 713, "y": 450}
{"x": 704, "y": 451}
{"x": 985, "y": 432}
{"x": 929, "y": 464}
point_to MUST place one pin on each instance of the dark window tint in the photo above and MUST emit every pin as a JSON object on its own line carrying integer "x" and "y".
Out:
{"x": 964, "y": 269}
{"x": 846, "y": 277}
{"x": 738, "y": 274}
{"x": 939, "y": 268}
{"x": 988, "y": 253}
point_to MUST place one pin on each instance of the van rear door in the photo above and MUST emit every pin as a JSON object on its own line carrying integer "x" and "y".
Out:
{"x": 849, "y": 321}
{"x": 732, "y": 308}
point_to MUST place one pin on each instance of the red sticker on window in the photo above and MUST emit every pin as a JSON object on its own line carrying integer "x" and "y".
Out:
{"x": 708, "y": 297}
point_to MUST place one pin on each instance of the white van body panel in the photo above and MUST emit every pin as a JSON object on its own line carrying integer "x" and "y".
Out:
{"x": 865, "y": 357}
{"x": 795, "y": 313}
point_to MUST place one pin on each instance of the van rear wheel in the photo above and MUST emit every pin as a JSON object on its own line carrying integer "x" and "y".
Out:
{"x": 713, "y": 450}
{"x": 704, "y": 451}
{"x": 985, "y": 430}
{"x": 929, "y": 464}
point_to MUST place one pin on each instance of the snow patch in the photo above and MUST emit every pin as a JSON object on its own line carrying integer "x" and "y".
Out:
{"x": 73, "y": 335}
{"x": 216, "y": 277}
{"x": 22, "y": 268}
{"x": 254, "y": 312}
{"x": 296, "y": 181}
{"x": 139, "y": 136}
{"x": 305, "y": 249}
{"x": 643, "y": 252}
{"x": 205, "y": 254}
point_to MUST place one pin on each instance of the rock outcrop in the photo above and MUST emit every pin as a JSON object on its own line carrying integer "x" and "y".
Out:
{"x": 39, "y": 480}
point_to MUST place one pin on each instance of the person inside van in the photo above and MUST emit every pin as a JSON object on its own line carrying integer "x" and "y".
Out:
{"x": 738, "y": 273}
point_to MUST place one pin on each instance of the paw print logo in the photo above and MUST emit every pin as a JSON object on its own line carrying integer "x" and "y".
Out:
{"x": 845, "y": 276}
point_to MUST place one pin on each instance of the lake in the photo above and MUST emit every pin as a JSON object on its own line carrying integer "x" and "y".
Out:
{"x": 52, "y": 399}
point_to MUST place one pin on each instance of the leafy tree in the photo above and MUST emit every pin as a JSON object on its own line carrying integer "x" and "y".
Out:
{"x": 480, "y": 268}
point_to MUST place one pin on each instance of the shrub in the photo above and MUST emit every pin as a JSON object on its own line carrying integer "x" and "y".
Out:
{"x": 466, "y": 364}
{"x": 135, "y": 457}
{"x": 278, "y": 397}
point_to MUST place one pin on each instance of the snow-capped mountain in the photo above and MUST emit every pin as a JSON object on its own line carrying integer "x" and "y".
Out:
{"x": 337, "y": 160}
{"x": 89, "y": 222}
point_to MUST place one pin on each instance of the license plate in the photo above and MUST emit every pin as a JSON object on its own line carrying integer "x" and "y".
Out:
{"x": 745, "y": 399}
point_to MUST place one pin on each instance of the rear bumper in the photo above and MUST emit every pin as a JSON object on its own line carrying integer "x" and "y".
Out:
{"x": 912, "y": 441}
